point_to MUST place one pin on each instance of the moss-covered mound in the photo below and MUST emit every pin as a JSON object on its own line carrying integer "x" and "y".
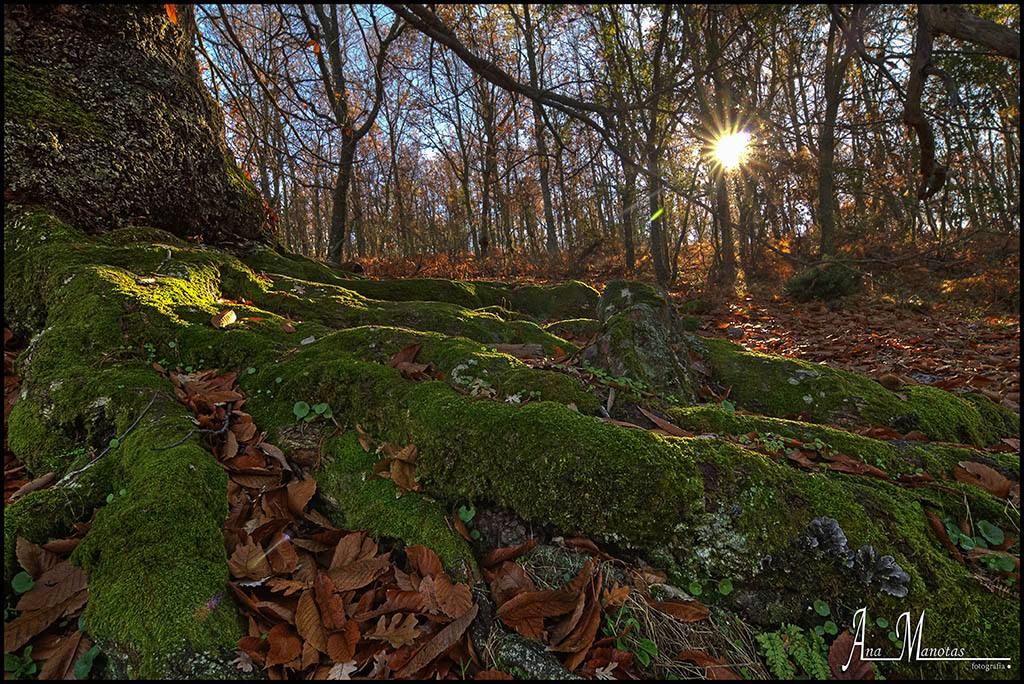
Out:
{"x": 829, "y": 280}
{"x": 780, "y": 387}
{"x": 489, "y": 429}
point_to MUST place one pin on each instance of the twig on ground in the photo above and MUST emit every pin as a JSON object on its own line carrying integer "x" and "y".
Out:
{"x": 199, "y": 431}
{"x": 75, "y": 473}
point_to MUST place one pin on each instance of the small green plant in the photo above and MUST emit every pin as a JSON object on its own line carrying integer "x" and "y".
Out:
{"x": 466, "y": 515}
{"x": 771, "y": 442}
{"x": 623, "y": 623}
{"x": 999, "y": 562}
{"x": 19, "y": 667}
{"x": 22, "y": 582}
{"x": 83, "y": 666}
{"x": 793, "y": 651}
{"x": 303, "y": 411}
{"x": 111, "y": 497}
{"x": 725, "y": 587}
{"x": 992, "y": 534}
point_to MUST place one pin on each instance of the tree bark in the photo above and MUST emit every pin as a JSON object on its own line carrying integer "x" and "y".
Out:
{"x": 144, "y": 138}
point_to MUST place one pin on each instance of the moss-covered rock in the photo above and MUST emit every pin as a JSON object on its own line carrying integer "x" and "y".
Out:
{"x": 829, "y": 280}
{"x": 641, "y": 340}
{"x": 160, "y": 538}
{"x": 895, "y": 458}
{"x": 574, "y": 327}
{"x": 782, "y": 387}
{"x": 361, "y": 501}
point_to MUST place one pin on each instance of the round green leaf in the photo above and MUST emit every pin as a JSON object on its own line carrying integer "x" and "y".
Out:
{"x": 84, "y": 663}
{"x": 301, "y": 409}
{"x": 882, "y": 622}
{"x": 319, "y": 408}
{"x": 22, "y": 582}
{"x": 991, "y": 533}
{"x": 831, "y": 627}
{"x": 821, "y": 608}
{"x": 1006, "y": 564}
{"x": 725, "y": 587}
{"x": 695, "y": 589}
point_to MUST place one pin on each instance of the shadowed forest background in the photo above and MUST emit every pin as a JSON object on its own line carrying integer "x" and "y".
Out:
{"x": 381, "y": 144}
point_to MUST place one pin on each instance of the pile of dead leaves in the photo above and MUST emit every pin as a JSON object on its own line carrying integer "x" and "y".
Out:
{"x": 320, "y": 602}
{"x": 567, "y": 619}
{"x": 48, "y": 630}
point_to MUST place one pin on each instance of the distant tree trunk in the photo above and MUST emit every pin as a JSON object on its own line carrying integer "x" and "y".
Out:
{"x": 136, "y": 138}
{"x": 539, "y": 137}
{"x": 835, "y": 74}
{"x": 628, "y": 194}
{"x": 339, "y": 210}
{"x": 727, "y": 256}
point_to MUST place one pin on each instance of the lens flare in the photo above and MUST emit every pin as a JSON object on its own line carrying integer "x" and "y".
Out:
{"x": 731, "y": 149}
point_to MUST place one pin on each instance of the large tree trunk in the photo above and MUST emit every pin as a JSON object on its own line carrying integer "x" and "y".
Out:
{"x": 108, "y": 121}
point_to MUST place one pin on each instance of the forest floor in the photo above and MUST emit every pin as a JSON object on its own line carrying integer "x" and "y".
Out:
{"x": 387, "y": 611}
{"x": 912, "y": 325}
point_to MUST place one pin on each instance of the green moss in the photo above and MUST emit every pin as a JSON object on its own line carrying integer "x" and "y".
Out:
{"x": 49, "y": 513}
{"x": 574, "y": 327}
{"x": 895, "y": 458}
{"x": 371, "y": 504}
{"x": 950, "y": 418}
{"x": 782, "y": 387}
{"x": 640, "y": 340}
{"x": 545, "y": 302}
{"x": 31, "y": 99}
{"x": 619, "y": 295}
{"x": 828, "y": 280}
{"x": 465, "y": 364}
{"x": 262, "y": 258}
{"x": 98, "y": 313}
{"x": 571, "y": 298}
{"x": 160, "y": 540}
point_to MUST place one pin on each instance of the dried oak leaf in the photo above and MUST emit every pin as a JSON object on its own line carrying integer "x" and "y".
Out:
{"x": 984, "y": 477}
{"x": 686, "y": 611}
{"x": 424, "y": 561}
{"x": 506, "y": 553}
{"x": 248, "y": 561}
{"x": 400, "y": 631}
{"x": 285, "y": 646}
{"x": 223, "y": 319}
{"x": 341, "y": 645}
{"x": 61, "y": 662}
{"x": 33, "y": 558}
{"x": 441, "y": 642}
{"x": 840, "y": 653}
{"x": 714, "y": 668}
{"x": 358, "y": 574}
{"x": 55, "y": 586}
{"x": 453, "y": 599}
{"x": 308, "y": 623}
{"x": 22, "y": 629}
